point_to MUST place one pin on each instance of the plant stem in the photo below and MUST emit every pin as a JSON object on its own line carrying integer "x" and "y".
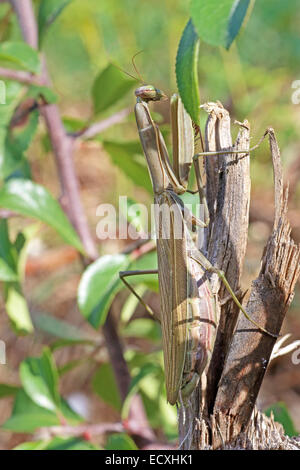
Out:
{"x": 63, "y": 149}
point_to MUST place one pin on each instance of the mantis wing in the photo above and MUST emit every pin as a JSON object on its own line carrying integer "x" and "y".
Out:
{"x": 173, "y": 281}
{"x": 183, "y": 140}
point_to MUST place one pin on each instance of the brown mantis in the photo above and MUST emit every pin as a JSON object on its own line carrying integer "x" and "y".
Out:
{"x": 189, "y": 310}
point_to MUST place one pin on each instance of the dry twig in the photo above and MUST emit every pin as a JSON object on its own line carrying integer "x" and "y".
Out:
{"x": 221, "y": 413}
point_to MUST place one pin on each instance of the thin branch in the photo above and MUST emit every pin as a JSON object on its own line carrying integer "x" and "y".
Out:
{"x": 63, "y": 148}
{"x": 21, "y": 113}
{"x": 26, "y": 17}
{"x": 90, "y": 429}
{"x": 20, "y": 76}
{"x": 6, "y": 214}
{"x": 61, "y": 143}
{"x": 101, "y": 126}
{"x": 116, "y": 356}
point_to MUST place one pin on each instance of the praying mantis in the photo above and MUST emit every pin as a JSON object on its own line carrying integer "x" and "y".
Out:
{"x": 189, "y": 308}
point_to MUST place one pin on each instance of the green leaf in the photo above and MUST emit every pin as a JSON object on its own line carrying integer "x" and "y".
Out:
{"x": 218, "y": 23}
{"x": 71, "y": 364}
{"x": 15, "y": 303}
{"x": 143, "y": 328}
{"x": 236, "y": 18}
{"x": 58, "y": 443}
{"x": 128, "y": 157}
{"x": 192, "y": 202}
{"x": 23, "y": 139}
{"x": 15, "y": 164}
{"x": 39, "y": 378}
{"x": 131, "y": 303}
{"x": 62, "y": 343}
{"x": 48, "y": 12}
{"x": 13, "y": 95}
{"x": 168, "y": 419}
{"x": 148, "y": 261}
{"x": 104, "y": 384}
{"x": 21, "y": 55}
{"x": 36, "y": 91}
{"x": 17, "y": 310}
{"x": 120, "y": 442}
{"x": 187, "y": 71}
{"x": 282, "y": 415}
{"x": 72, "y": 443}
{"x": 60, "y": 329}
{"x": 27, "y": 416}
{"x": 21, "y": 246}
{"x": 134, "y": 215}
{"x": 71, "y": 416}
{"x": 109, "y": 87}
{"x": 72, "y": 124}
{"x": 7, "y": 249}
{"x": 98, "y": 285}
{"x": 145, "y": 370}
{"x": 7, "y": 390}
{"x": 6, "y": 273}
{"x": 32, "y": 200}
{"x": 136, "y": 359}
{"x": 32, "y": 445}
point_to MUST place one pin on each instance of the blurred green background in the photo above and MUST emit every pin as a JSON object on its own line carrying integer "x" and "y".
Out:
{"x": 253, "y": 80}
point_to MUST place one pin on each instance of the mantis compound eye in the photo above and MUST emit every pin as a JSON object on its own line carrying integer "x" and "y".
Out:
{"x": 149, "y": 93}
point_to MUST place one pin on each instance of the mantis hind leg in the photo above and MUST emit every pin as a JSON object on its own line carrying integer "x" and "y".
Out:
{"x": 205, "y": 263}
{"x": 124, "y": 274}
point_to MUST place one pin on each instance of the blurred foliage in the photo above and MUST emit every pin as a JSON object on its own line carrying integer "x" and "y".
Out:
{"x": 253, "y": 78}
{"x": 282, "y": 415}
{"x": 82, "y": 41}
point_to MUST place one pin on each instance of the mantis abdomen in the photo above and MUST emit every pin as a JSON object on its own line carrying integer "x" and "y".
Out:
{"x": 188, "y": 315}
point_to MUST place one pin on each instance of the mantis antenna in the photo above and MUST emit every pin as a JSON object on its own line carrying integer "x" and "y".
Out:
{"x": 135, "y": 67}
{"x": 139, "y": 78}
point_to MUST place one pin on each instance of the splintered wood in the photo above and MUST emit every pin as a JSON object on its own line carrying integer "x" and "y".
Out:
{"x": 221, "y": 412}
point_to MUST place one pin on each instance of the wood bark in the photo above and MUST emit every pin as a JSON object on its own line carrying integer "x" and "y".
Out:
{"x": 221, "y": 412}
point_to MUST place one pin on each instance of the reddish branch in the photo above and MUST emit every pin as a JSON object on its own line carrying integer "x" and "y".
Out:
{"x": 101, "y": 126}
{"x": 19, "y": 76}
{"x": 88, "y": 431}
{"x": 61, "y": 143}
{"x": 63, "y": 149}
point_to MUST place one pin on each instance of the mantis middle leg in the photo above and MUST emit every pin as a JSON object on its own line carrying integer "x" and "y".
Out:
{"x": 206, "y": 264}
{"x": 124, "y": 274}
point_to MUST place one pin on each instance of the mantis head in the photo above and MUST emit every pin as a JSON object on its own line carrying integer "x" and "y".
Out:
{"x": 144, "y": 92}
{"x": 149, "y": 93}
